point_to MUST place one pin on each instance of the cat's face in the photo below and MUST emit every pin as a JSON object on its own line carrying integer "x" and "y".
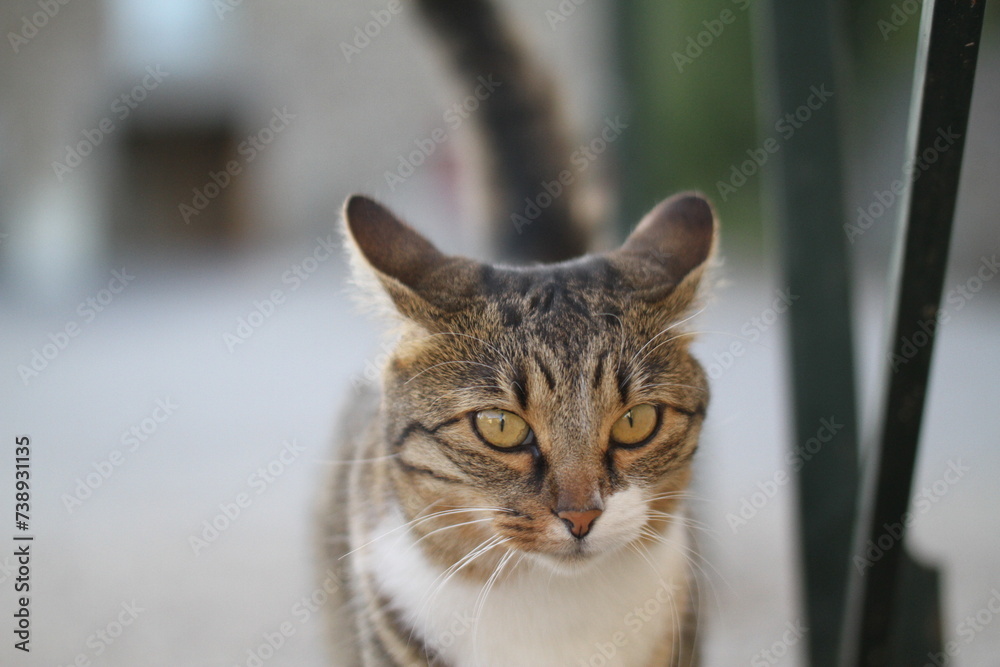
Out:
{"x": 561, "y": 401}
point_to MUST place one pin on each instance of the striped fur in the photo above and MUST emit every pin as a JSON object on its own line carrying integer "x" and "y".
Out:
{"x": 449, "y": 551}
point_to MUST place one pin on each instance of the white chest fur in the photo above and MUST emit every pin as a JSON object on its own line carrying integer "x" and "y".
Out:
{"x": 613, "y": 613}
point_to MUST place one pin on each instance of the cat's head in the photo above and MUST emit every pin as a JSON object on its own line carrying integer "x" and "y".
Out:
{"x": 561, "y": 399}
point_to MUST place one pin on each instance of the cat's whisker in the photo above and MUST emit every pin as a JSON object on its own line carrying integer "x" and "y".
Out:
{"x": 692, "y": 556}
{"x": 673, "y": 516}
{"x": 461, "y": 564}
{"x": 671, "y": 384}
{"x": 672, "y": 326}
{"x": 675, "y": 495}
{"x": 681, "y": 500}
{"x": 472, "y": 555}
{"x": 465, "y": 335}
{"x": 675, "y": 620}
{"x": 680, "y": 495}
{"x": 451, "y": 395}
{"x": 456, "y": 567}
{"x": 669, "y": 520}
{"x": 421, "y": 519}
{"x": 698, "y": 582}
{"x": 730, "y": 334}
{"x": 521, "y": 556}
{"x": 688, "y": 523}
{"x": 700, "y": 332}
{"x": 664, "y": 342}
{"x": 481, "y": 599}
{"x": 680, "y": 518}
{"x": 387, "y": 533}
{"x": 621, "y": 326}
{"x": 447, "y": 363}
{"x": 448, "y": 527}
{"x": 452, "y": 569}
{"x": 642, "y": 551}
{"x": 337, "y": 462}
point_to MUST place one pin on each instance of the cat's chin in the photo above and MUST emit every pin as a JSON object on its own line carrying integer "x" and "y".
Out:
{"x": 572, "y": 562}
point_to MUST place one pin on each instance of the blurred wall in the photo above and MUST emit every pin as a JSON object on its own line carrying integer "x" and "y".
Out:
{"x": 164, "y": 126}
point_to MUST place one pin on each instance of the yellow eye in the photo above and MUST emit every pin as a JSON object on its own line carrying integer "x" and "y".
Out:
{"x": 635, "y": 425}
{"x": 501, "y": 428}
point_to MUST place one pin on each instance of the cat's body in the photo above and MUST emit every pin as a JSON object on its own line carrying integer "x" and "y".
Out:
{"x": 512, "y": 494}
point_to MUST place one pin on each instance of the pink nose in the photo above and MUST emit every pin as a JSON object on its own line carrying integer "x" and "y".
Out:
{"x": 579, "y": 523}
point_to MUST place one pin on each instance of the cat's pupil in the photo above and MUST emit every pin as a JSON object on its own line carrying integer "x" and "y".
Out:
{"x": 628, "y": 415}
{"x": 502, "y": 421}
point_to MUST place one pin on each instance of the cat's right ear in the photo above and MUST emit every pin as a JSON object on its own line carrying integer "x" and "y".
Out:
{"x": 667, "y": 253}
{"x": 422, "y": 282}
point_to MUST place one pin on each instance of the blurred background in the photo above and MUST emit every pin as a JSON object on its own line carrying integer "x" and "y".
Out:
{"x": 176, "y": 332}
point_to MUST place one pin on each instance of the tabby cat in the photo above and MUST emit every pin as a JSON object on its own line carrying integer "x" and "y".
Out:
{"x": 512, "y": 494}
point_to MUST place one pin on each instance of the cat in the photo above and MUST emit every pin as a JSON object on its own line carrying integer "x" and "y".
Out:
{"x": 512, "y": 494}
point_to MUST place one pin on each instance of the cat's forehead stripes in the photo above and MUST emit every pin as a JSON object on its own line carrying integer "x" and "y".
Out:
{"x": 542, "y": 378}
{"x": 622, "y": 382}
{"x": 598, "y": 377}
{"x": 544, "y": 281}
{"x": 546, "y": 373}
{"x": 520, "y": 386}
{"x": 543, "y": 295}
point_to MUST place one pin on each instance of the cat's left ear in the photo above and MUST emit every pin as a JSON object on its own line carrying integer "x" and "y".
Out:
{"x": 422, "y": 282}
{"x": 668, "y": 252}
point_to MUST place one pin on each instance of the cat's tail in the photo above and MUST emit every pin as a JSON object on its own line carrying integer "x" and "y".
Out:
{"x": 532, "y": 208}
